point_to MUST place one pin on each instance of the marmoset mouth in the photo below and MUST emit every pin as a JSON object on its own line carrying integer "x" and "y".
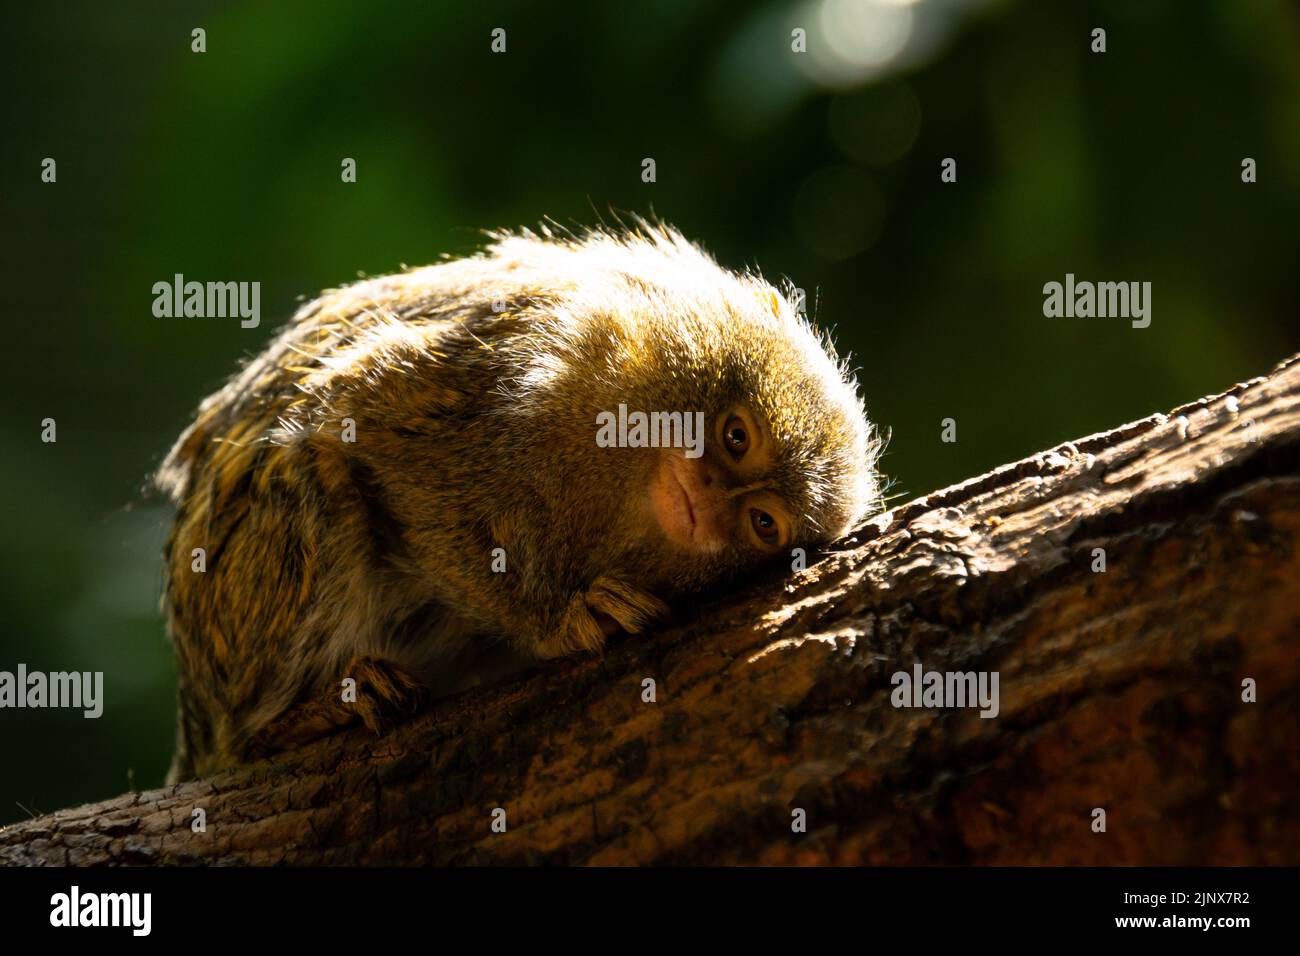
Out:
{"x": 678, "y": 499}
{"x": 686, "y": 497}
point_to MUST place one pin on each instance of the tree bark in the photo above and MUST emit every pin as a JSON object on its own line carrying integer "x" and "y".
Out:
{"x": 1119, "y": 690}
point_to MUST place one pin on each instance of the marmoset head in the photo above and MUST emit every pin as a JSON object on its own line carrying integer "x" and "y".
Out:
{"x": 643, "y": 341}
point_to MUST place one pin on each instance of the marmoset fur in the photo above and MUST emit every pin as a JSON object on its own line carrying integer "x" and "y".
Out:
{"x": 405, "y": 488}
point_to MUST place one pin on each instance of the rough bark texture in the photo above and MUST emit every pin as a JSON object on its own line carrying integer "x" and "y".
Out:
{"x": 1120, "y": 690}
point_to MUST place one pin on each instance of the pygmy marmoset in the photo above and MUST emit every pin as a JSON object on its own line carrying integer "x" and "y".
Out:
{"x": 410, "y": 486}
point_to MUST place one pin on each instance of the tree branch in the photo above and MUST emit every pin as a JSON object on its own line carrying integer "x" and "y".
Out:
{"x": 1119, "y": 690}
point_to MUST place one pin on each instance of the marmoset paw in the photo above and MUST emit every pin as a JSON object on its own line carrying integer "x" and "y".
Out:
{"x": 606, "y": 608}
{"x": 618, "y": 606}
{"x": 375, "y": 692}
{"x": 383, "y": 694}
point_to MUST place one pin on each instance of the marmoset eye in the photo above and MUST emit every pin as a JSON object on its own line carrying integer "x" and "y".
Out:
{"x": 736, "y": 435}
{"x": 764, "y": 526}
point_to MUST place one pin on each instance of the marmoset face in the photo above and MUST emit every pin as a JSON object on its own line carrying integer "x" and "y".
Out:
{"x": 725, "y": 496}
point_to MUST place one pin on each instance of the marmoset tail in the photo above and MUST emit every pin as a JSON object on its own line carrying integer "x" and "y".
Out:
{"x": 429, "y": 479}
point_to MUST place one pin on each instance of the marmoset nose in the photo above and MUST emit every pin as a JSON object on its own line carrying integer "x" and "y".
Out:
{"x": 712, "y": 476}
{"x": 708, "y": 480}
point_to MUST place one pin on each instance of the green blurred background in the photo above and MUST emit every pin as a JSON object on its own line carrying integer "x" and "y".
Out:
{"x": 823, "y": 166}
